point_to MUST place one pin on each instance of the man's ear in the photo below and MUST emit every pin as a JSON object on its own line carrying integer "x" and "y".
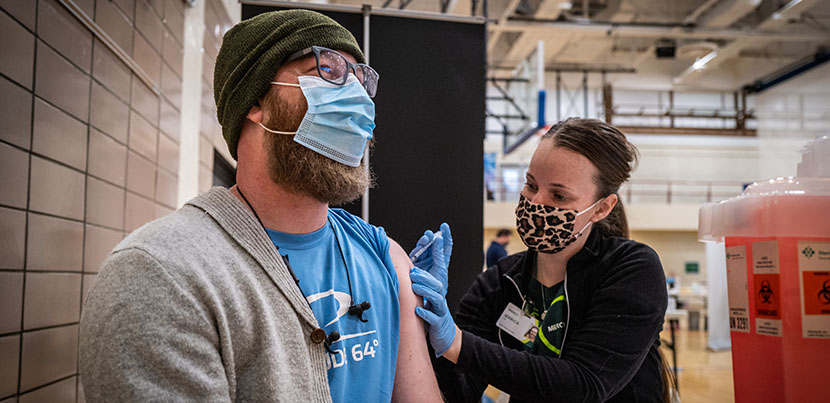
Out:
{"x": 255, "y": 114}
{"x": 605, "y": 207}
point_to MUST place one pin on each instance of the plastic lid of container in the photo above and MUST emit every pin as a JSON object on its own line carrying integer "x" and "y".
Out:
{"x": 792, "y": 185}
{"x": 815, "y": 158}
{"x": 738, "y": 216}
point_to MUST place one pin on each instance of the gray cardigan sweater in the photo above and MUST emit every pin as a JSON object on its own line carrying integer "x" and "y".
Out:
{"x": 197, "y": 306}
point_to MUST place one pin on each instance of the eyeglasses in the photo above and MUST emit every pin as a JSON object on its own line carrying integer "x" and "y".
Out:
{"x": 334, "y": 68}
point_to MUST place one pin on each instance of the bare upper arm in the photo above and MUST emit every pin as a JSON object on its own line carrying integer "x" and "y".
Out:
{"x": 414, "y": 378}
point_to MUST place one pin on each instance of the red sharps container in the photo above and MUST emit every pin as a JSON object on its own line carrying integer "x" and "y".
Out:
{"x": 777, "y": 239}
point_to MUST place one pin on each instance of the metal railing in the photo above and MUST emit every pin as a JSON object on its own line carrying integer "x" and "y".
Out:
{"x": 640, "y": 191}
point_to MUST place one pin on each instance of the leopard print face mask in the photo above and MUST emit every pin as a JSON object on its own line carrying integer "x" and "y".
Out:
{"x": 547, "y": 229}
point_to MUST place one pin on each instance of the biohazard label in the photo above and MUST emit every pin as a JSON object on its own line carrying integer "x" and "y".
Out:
{"x": 767, "y": 296}
{"x": 737, "y": 288}
{"x": 814, "y": 269}
{"x": 767, "y": 288}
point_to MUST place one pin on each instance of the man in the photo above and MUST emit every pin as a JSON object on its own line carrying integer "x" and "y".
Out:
{"x": 261, "y": 292}
{"x": 496, "y": 250}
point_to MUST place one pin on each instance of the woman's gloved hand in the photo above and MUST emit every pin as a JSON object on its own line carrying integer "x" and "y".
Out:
{"x": 435, "y": 311}
{"x": 436, "y": 259}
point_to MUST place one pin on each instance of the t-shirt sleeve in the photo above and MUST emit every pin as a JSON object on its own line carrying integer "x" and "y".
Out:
{"x": 382, "y": 241}
{"x": 376, "y": 236}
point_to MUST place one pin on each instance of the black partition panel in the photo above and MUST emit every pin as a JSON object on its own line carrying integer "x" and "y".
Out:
{"x": 352, "y": 21}
{"x": 430, "y": 136}
{"x": 430, "y": 113}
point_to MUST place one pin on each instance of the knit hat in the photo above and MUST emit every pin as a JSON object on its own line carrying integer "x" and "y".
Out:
{"x": 252, "y": 52}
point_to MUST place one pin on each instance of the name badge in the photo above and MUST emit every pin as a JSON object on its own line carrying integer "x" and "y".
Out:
{"x": 515, "y": 322}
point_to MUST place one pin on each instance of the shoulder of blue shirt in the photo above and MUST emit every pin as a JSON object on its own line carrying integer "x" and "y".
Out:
{"x": 374, "y": 234}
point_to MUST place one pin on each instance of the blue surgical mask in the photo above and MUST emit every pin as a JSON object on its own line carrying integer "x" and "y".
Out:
{"x": 339, "y": 120}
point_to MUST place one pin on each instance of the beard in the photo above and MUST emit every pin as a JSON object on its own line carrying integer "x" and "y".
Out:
{"x": 302, "y": 170}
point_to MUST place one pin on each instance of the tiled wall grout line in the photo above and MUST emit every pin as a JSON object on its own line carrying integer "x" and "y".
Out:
{"x": 34, "y": 271}
{"x": 126, "y": 176}
{"x": 38, "y": 329}
{"x": 18, "y": 21}
{"x": 13, "y": 81}
{"x": 158, "y": 147}
{"x": 84, "y": 228}
{"x": 65, "y": 218}
{"x": 50, "y": 383}
{"x": 46, "y": 157}
{"x": 54, "y": 49}
{"x": 28, "y": 201}
{"x": 86, "y": 173}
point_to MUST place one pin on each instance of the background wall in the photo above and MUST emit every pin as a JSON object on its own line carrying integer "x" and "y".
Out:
{"x": 89, "y": 152}
{"x": 675, "y": 249}
{"x": 216, "y": 22}
{"x": 789, "y": 115}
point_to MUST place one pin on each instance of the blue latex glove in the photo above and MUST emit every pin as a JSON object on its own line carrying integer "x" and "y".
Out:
{"x": 435, "y": 311}
{"x": 436, "y": 260}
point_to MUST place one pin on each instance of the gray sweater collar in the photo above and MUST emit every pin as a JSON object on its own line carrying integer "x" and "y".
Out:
{"x": 239, "y": 222}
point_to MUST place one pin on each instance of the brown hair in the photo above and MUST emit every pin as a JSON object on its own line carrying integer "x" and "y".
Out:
{"x": 613, "y": 155}
{"x": 670, "y": 392}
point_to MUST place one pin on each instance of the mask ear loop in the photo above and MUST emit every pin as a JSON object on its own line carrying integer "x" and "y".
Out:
{"x": 277, "y": 131}
{"x": 578, "y": 234}
{"x": 274, "y": 131}
{"x": 589, "y": 207}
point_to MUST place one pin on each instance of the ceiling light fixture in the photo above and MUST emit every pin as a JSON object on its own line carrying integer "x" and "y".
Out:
{"x": 700, "y": 63}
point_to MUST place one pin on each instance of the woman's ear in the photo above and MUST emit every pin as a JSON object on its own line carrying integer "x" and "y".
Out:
{"x": 605, "y": 207}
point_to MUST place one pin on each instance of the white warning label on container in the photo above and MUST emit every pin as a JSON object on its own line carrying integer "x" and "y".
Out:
{"x": 737, "y": 288}
{"x": 767, "y": 288}
{"x": 814, "y": 275}
{"x": 765, "y": 257}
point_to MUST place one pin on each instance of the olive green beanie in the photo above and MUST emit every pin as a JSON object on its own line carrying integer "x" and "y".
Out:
{"x": 252, "y": 52}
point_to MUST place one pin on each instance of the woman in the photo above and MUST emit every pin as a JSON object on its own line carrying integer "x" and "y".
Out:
{"x": 596, "y": 298}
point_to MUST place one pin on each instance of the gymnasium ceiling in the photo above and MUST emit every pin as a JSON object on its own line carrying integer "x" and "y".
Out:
{"x": 718, "y": 44}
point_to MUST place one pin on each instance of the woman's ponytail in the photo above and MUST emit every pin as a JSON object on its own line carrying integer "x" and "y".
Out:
{"x": 670, "y": 392}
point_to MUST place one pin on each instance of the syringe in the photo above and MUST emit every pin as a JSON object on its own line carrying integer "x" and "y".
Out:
{"x": 418, "y": 252}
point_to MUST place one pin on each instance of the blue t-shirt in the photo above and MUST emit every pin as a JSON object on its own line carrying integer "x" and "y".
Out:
{"x": 362, "y": 367}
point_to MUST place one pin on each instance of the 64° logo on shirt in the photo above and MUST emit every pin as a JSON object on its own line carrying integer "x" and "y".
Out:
{"x": 359, "y": 352}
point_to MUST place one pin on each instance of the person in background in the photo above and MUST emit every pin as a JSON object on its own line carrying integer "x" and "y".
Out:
{"x": 596, "y": 298}
{"x": 674, "y": 303}
{"x": 671, "y": 280}
{"x": 263, "y": 292}
{"x": 496, "y": 250}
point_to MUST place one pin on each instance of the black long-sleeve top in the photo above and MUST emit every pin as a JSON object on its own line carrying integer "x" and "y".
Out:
{"x": 616, "y": 295}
